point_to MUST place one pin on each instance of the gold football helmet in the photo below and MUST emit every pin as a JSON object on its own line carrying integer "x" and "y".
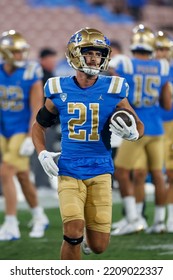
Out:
{"x": 11, "y": 41}
{"x": 162, "y": 40}
{"x": 92, "y": 39}
{"x": 143, "y": 39}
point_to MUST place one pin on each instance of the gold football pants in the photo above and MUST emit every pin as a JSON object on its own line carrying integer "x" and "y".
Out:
{"x": 89, "y": 200}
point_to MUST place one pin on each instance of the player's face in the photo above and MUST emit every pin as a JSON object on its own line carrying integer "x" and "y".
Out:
{"x": 93, "y": 58}
{"x": 18, "y": 55}
{"x": 162, "y": 53}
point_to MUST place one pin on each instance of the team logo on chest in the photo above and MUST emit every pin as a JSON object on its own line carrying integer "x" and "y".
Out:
{"x": 63, "y": 96}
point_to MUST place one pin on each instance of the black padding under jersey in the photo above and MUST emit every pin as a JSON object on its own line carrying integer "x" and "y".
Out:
{"x": 46, "y": 118}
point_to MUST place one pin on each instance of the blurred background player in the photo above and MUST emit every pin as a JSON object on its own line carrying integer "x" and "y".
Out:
{"x": 164, "y": 50}
{"x": 85, "y": 103}
{"x": 148, "y": 82}
{"x": 21, "y": 95}
{"x": 48, "y": 61}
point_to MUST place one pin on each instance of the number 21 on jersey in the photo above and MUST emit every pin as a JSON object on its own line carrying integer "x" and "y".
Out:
{"x": 81, "y": 135}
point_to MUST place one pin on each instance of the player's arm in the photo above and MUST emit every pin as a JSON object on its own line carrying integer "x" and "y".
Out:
{"x": 46, "y": 117}
{"x": 36, "y": 102}
{"x": 166, "y": 96}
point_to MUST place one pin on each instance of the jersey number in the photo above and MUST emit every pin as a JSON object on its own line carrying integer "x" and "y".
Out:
{"x": 82, "y": 119}
{"x": 146, "y": 86}
{"x": 11, "y": 98}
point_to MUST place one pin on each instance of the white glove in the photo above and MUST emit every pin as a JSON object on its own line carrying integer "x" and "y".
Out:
{"x": 27, "y": 147}
{"x": 125, "y": 132}
{"x": 47, "y": 162}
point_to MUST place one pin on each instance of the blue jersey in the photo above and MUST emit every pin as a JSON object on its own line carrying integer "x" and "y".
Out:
{"x": 84, "y": 116}
{"x": 145, "y": 79}
{"x": 168, "y": 115}
{"x": 14, "y": 98}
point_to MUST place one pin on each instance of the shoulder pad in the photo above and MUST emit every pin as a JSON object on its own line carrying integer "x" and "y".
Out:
{"x": 115, "y": 84}
{"x": 164, "y": 67}
{"x": 32, "y": 69}
{"x": 54, "y": 85}
{"x": 124, "y": 60}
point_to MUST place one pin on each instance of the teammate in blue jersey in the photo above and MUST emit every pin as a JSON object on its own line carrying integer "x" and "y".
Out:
{"x": 149, "y": 87}
{"x": 84, "y": 103}
{"x": 21, "y": 95}
{"x": 163, "y": 51}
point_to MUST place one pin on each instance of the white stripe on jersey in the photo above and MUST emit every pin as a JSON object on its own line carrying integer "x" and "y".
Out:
{"x": 54, "y": 85}
{"x": 116, "y": 60}
{"x": 115, "y": 85}
{"x": 164, "y": 67}
{"x": 124, "y": 60}
{"x": 127, "y": 65}
{"x": 30, "y": 70}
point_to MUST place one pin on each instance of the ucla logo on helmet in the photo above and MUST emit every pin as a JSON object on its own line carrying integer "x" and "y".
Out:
{"x": 7, "y": 41}
{"x": 76, "y": 38}
{"x": 99, "y": 42}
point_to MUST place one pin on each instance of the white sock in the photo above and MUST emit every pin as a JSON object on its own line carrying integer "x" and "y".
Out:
{"x": 170, "y": 212}
{"x": 37, "y": 211}
{"x": 11, "y": 219}
{"x": 139, "y": 208}
{"x": 159, "y": 214}
{"x": 130, "y": 208}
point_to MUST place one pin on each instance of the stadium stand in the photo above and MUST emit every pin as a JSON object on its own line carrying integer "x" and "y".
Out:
{"x": 51, "y": 23}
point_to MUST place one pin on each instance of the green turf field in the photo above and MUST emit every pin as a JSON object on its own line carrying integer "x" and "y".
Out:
{"x": 139, "y": 246}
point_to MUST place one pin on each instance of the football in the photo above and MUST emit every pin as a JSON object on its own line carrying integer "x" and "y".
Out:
{"x": 122, "y": 113}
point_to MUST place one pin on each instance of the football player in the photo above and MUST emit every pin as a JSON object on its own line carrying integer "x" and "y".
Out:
{"x": 163, "y": 51}
{"x": 21, "y": 95}
{"x": 84, "y": 103}
{"x": 149, "y": 86}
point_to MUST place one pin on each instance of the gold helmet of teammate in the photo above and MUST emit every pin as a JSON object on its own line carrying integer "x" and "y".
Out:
{"x": 163, "y": 45}
{"x": 162, "y": 40}
{"x": 143, "y": 39}
{"x": 11, "y": 42}
{"x": 84, "y": 40}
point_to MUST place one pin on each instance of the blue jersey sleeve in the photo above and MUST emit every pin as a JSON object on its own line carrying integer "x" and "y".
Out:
{"x": 33, "y": 72}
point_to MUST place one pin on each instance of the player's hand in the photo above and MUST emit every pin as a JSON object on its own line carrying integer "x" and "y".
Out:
{"x": 27, "y": 147}
{"x": 124, "y": 131}
{"x": 47, "y": 161}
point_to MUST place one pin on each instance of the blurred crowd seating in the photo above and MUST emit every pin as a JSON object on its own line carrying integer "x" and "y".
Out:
{"x": 52, "y": 22}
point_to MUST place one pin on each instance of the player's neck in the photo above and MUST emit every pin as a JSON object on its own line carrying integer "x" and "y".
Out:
{"x": 9, "y": 68}
{"x": 83, "y": 80}
{"x": 142, "y": 56}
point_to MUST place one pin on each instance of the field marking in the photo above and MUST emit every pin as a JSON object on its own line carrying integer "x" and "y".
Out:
{"x": 155, "y": 247}
{"x": 168, "y": 247}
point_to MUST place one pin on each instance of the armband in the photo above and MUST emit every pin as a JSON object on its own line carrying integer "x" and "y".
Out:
{"x": 46, "y": 118}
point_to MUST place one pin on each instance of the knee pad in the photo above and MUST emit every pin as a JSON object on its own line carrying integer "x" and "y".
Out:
{"x": 73, "y": 241}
